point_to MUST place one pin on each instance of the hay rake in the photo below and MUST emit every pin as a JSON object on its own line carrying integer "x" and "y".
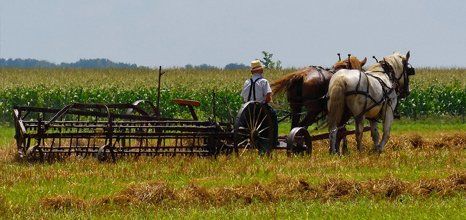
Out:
{"x": 111, "y": 131}
{"x": 99, "y": 130}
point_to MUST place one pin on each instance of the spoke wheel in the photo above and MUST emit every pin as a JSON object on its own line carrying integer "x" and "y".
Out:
{"x": 299, "y": 142}
{"x": 254, "y": 129}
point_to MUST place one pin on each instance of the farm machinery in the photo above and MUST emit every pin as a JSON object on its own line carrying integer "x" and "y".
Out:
{"x": 112, "y": 131}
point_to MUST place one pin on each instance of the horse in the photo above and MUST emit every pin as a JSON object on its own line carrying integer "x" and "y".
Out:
{"x": 308, "y": 87}
{"x": 373, "y": 94}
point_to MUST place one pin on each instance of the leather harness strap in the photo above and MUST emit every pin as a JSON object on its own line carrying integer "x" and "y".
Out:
{"x": 252, "y": 89}
{"x": 300, "y": 99}
{"x": 385, "y": 89}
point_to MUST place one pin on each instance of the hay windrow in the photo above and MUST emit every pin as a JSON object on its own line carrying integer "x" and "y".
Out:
{"x": 386, "y": 188}
{"x": 280, "y": 189}
{"x": 150, "y": 192}
{"x": 455, "y": 140}
{"x": 62, "y": 202}
{"x": 416, "y": 140}
{"x": 408, "y": 141}
{"x": 340, "y": 188}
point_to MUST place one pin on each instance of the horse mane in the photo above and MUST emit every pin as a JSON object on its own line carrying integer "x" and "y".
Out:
{"x": 375, "y": 67}
{"x": 354, "y": 61}
{"x": 286, "y": 81}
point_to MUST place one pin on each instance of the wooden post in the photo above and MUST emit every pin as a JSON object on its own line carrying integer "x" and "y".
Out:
{"x": 158, "y": 88}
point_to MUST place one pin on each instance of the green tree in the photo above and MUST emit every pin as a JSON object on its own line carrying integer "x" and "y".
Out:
{"x": 268, "y": 62}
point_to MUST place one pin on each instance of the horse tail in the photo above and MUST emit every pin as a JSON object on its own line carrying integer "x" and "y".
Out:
{"x": 286, "y": 81}
{"x": 281, "y": 84}
{"x": 336, "y": 102}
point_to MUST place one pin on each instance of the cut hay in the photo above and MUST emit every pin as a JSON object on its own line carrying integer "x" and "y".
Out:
{"x": 62, "y": 202}
{"x": 280, "y": 189}
{"x": 147, "y": 193}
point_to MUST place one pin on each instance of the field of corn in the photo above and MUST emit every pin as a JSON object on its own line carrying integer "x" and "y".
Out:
{"x": 420, "y": 175}
{"x": 435, "y": 92}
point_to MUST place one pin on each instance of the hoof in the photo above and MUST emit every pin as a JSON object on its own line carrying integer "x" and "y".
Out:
{"x": 360, "y": 148}
{"x": 376, "y": 151}
{"x": 345, "y": 152}
{"x": 344, "y": 149}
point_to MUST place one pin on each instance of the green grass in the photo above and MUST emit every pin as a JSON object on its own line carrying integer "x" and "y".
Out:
{"x": 427, "y": 125}
{"x": 6, "y": 136}
{"x": 411, "y": 208}
{"x": 430, "y": 125}
{"x": 23, "y": 186}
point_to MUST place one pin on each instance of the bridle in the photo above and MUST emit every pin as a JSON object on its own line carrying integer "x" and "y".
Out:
{"x": 408, "y": 70}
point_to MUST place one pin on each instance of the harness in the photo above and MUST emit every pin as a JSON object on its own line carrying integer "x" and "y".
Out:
{"x": 302, "y": 100}
{"x": 299, "y": 88}
{"x": 386, "y": 90}
{"x": 252, "y": 89}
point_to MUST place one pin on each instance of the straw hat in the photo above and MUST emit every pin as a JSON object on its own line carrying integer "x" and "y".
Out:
{"x": 256, "y": 65}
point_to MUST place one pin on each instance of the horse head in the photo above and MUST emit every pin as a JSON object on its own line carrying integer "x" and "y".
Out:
{"x": 352, "y": 62}
{"x": 400, "y": 69}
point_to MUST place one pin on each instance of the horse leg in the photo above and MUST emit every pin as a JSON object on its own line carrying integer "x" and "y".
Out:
{"x": 344, "y": 120}
{"x": 333, "y": 138}
{"x": 333, "y": 131}
{"x": 336, "y": 136}
{"x": 387, "y": 124}
{"x": 345, "y": 145}
{"x": 295, "y": 111}
{"x": 359, "y": 131}
{"x": 311, "y": 116}
{"x": 342, "y": 137}
{"x": 374, "y": 133}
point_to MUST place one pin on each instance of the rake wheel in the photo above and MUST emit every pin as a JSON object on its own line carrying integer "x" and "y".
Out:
{"x": 299, "y": 142}
{"x": 34, "y": 153}
{"x": 105, "y": 153}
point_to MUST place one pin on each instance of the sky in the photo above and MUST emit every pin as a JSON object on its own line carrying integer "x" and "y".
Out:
{"x": 217, "y": 32}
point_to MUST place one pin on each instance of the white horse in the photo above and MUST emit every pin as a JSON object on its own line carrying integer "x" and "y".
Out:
{"x": 372, "y": 94}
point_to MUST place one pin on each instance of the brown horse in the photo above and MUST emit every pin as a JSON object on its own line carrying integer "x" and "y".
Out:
{"x": 308, "y": 88}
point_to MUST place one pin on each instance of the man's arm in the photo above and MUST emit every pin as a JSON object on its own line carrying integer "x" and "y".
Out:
{"x": 268, "y": 97}
{"x": 268, "y": 92}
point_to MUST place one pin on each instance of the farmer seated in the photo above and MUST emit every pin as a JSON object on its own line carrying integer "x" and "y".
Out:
{"x": 257, "y": 88}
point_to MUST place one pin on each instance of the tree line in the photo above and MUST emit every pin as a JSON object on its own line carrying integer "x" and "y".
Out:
{"x": 106, "y": 63}
{"x": 82, "y": 63}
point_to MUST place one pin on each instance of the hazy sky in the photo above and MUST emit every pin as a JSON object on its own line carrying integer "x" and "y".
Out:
{"x": 218, "y": 32}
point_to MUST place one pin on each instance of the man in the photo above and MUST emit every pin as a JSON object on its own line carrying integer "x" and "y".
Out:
{"x": 260, "y": 90}
{"x": 257, "y": 88}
